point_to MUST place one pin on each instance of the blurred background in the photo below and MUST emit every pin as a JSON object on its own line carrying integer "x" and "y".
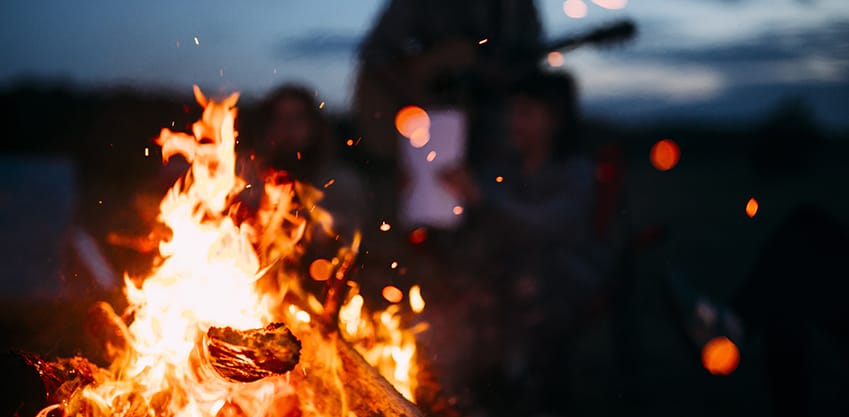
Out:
{"x": 715, "y": 133}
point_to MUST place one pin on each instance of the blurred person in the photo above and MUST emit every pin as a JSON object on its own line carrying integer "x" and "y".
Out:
{"x": 422, "y": 52}
{"x": 546, "y": 264}
{"x": 296, "y": 138}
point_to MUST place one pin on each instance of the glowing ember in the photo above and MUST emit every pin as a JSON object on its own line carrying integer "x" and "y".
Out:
{"x": 752, "y": 207}
{"x": 664, "y": 154}
{"x": 720, "y": 356}
{"x": 499, "y": 179}
{"x": 385, "y": 227}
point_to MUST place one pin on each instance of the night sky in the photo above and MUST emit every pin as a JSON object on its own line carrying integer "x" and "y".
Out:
{"x": 703, "y": 59}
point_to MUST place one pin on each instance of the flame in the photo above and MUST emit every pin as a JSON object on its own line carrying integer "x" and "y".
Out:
{"x": 383, "y": 340}
{"x": 212, "y": 272}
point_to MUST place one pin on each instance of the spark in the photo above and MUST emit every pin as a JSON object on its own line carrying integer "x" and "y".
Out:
{"x": 321, "y": 105}
{"x": 197, "y": 42}
{"x": 349, "y": 142}
{"x": 394, "y": 264}
{"x": 329, "y": 183}
{"x": 458, "y": 210}
{"x": 499, "y": 179}
{"x": 483, "y": 41}
{"x": 431, "y": 156}
{"x": 384, "y": 227}
{"x": 146, "y": 151}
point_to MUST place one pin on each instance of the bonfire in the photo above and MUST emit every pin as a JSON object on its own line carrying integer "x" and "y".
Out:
{"x": 223, "y": 325}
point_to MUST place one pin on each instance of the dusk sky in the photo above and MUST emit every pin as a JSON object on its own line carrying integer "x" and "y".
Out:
{"x": 693, "y": 58}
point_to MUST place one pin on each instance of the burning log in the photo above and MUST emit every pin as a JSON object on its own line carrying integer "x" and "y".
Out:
{"x": 249, "y": 355}
{"x": 107, "y": 328}
{"x": 365, "y": 392}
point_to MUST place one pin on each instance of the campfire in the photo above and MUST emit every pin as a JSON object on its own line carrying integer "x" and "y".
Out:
{"x": 225, "y": 326}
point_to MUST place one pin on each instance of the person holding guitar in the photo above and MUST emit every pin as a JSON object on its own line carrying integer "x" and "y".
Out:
{"x": 447, "y": 55}
{"x": 413, "y": 56}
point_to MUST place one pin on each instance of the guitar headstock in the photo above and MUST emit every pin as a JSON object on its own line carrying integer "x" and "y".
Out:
{"x": 611, "y": 34}
{"x": 616, "y": 32}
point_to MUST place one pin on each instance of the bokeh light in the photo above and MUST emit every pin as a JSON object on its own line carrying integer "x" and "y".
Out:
{"x": 576, "y": 9}
{"x": 392, "y": 294}
{"x": 665, "y": 154}
{"x": 413, "y": 121}
{"x": 720, "y": 356}
{"x": 611, "y": 4}
{"x": 555, "y": 59}
{"x": 420, "y": 138}
{"x": 321, "y": 269}
{"x": 752, "y": 207}
{"x": 418, "y": 235}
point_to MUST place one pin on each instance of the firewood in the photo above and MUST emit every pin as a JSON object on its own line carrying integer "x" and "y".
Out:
{"x": 364, "y": 391}
{"x": 249, "y": 355}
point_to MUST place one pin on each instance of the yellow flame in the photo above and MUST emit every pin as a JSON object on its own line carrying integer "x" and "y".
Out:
{"x": 212, "y": 272}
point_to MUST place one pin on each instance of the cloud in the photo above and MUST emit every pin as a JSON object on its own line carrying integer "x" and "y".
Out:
{"x": 609, "y": 77}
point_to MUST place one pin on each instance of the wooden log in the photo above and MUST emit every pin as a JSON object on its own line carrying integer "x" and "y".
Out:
{"x": 343, "y": 380}
{"x": 249, "y": 355}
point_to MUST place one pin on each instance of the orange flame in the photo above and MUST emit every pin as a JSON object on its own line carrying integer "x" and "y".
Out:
{"x": 209, "y": 275}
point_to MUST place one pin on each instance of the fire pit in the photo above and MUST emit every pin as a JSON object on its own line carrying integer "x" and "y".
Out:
{"x": 223, "y": 327}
